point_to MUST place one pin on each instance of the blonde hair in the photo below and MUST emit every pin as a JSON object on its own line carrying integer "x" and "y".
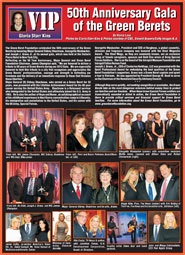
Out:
{"x": 13, "y": 220}
{"x": 166, "y": 224}
{"x": 127, "y": 114}
{"x": 129, "y": 172}
{"x": 60, "y": 215}
{"x": 100, "y": 227}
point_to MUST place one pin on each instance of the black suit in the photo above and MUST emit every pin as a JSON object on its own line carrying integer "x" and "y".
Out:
{"x": 15, "y": 188}
{"x": 48, "y": 185}
{"x": 172, "y": 190}
{"x": 28, "y": 237}
{"x": 172, "y": 133}
{"x": 16, "y": 136}
{"x": 108, "y": 142}
{"x": 159, "y": 235}
{"x": 142, "y": 193}
{"x": 31, "y": 198}
{"x": 78, "y": 231}
{"x": 38, "y": 133}
{"x": 52, "y": 138}
{"x": 138, "y": 134}
{"x": 70, "y": 196}
{"x": 141, "y": 180}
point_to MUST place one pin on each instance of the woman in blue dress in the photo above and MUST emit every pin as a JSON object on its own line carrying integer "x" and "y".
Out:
{"x": 97, "y": 230}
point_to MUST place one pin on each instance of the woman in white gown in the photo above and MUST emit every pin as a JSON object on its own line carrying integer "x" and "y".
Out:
{"x": 13, "y": 233}
{"x": 125, "y": 133}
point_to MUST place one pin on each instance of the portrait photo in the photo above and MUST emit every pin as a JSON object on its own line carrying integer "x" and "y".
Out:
{"x": 126, "y": 227}
{"x": 150, "y": 181}
{"x": 89, "y": 224}
{"x": 61, "y": 226}
{"x": 164, "y": 226}
{"x": 151, "y": 128}
{"x": 34, "y": 130}
{"x": 91, "y": 130}
{"x": 28, "y": 227}
{"x": 90, "y": 182}
{"x": 33, "y": 182}
{"x": 17, "y": 20}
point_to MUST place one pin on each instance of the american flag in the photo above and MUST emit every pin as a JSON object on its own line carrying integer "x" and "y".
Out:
{"x": 56, "y": 193}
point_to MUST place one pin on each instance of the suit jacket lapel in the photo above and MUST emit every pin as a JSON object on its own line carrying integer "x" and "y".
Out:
{"x": 18, "y": 128}
{"x": 170, "y": 185}
{"x": 103, "y": 141}
{"x": 73, "y": 192}
{"x": 145, "y": 190}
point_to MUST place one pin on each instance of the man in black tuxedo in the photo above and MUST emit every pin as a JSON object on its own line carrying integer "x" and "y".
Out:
{"x": 76, "y": 192}
{"x": 148, "y": 189}
{"x": 51, "y": 137}
{"x": 28, "y": 230}
{"x": 133, "y": 224}
{"x": 80, "y": 229}
{"x": 156, "y": 230}
{"x": 100, "y": 137}
{"x": 47, "y": 181}
{"x": 17, "y": 131}
{"x": 31, "y": 187}
{"x": 15, "y": 187}
{"x": 141, "y": 170}
{"x": 169, "y": 186}
{"x": 137, "y": 131}
{"x": 172, "y": 131}
{"x": 34, "y": 132}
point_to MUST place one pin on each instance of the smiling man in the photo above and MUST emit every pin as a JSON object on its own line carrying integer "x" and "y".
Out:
{"x": 147, "y": 190}
{"x": 100, "y": 137}
{"x": 80, "y": 229}
{"x": 76, "y": 192}
{"x": 169, "y": 187}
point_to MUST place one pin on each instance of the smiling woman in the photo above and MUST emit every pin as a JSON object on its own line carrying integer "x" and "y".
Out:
{"x": 18, "y": 23}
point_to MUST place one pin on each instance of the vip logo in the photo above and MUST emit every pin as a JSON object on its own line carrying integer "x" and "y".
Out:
{"x": 47, "y": 20}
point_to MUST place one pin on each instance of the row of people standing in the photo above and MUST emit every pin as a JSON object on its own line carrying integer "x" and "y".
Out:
{"x": 154, "y": 133}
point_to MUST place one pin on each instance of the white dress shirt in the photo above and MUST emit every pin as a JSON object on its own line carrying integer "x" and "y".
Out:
{"x": 75, "y": 187}
{"x": 154, "y": 192}
{"x": 101, "y": 132}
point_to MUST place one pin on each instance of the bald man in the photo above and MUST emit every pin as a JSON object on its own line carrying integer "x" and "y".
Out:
{"x": 51, "y": 137}
{"x": 31, "y": 187}
{"x": 15, "y": 187}
{"x": 17, "y": 130}
{"x": 34, "y": 132}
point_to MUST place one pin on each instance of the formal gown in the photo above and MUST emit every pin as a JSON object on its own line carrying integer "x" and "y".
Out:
{"x": 60, "y": 234}
{"x": 42, "y": 236}
{"x": 125, "y": 135}
{"x": 171, "y": 235}
{"x": 13, "y": 235}
{"x": 74, "y": 145}
{"x": 148, "y": 129}
{"x": 159, "y": 130}
{"x": 130, "y": 194}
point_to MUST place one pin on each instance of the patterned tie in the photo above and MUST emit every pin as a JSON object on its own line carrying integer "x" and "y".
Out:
{"x": 155, "y": 233}
{"x": 30, "y": 191}
{"x": 150, "y": 192}
{"x": 27, "y": 229}
{"x": 78, "y": 192}
{"x": 96, "y": 139}
{"x": 163, "y": 190}
{"x": 47, "y": 126}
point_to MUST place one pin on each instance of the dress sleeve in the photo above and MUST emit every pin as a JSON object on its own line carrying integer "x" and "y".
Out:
{"x": 124, "y": 187}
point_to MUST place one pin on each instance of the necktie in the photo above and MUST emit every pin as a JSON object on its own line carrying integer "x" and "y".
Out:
{"x": 20, "y": 127}
{"x": 20, "y": 179}
{"x": 141, "y": 177}
{"x": 163, "y": 190}
{"x": 44, "y": 178}
{"x": 139, "y": 125}
{"x": 96, "y": 139}
{"x": 78, "y": 192}
{"x": 32, "y": 129}
{"x": 155, "y": 233}
{"x": 84, "y": 229}
{"x": 30, "y": 191}
{"x": 27, "y": 229}
{"x": 47, "y": 126}
{"x": 150, "y": 192}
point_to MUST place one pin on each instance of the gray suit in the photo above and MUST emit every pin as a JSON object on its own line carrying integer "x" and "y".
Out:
{"x": 28, "y": 237}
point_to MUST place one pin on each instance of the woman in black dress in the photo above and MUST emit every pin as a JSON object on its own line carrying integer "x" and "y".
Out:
{"x": 149, "y": 141}
{"x": 158, "y": 129}
{"x": 170, "y": 228}
{"x": 43, "y": 232}
{"x": 106, "y": 194}
{"x": 128, "y": 190}
{"x": 76, "y": 140}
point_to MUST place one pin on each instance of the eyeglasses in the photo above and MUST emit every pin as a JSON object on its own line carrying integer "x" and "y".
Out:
{"x": 83, "y": 216}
